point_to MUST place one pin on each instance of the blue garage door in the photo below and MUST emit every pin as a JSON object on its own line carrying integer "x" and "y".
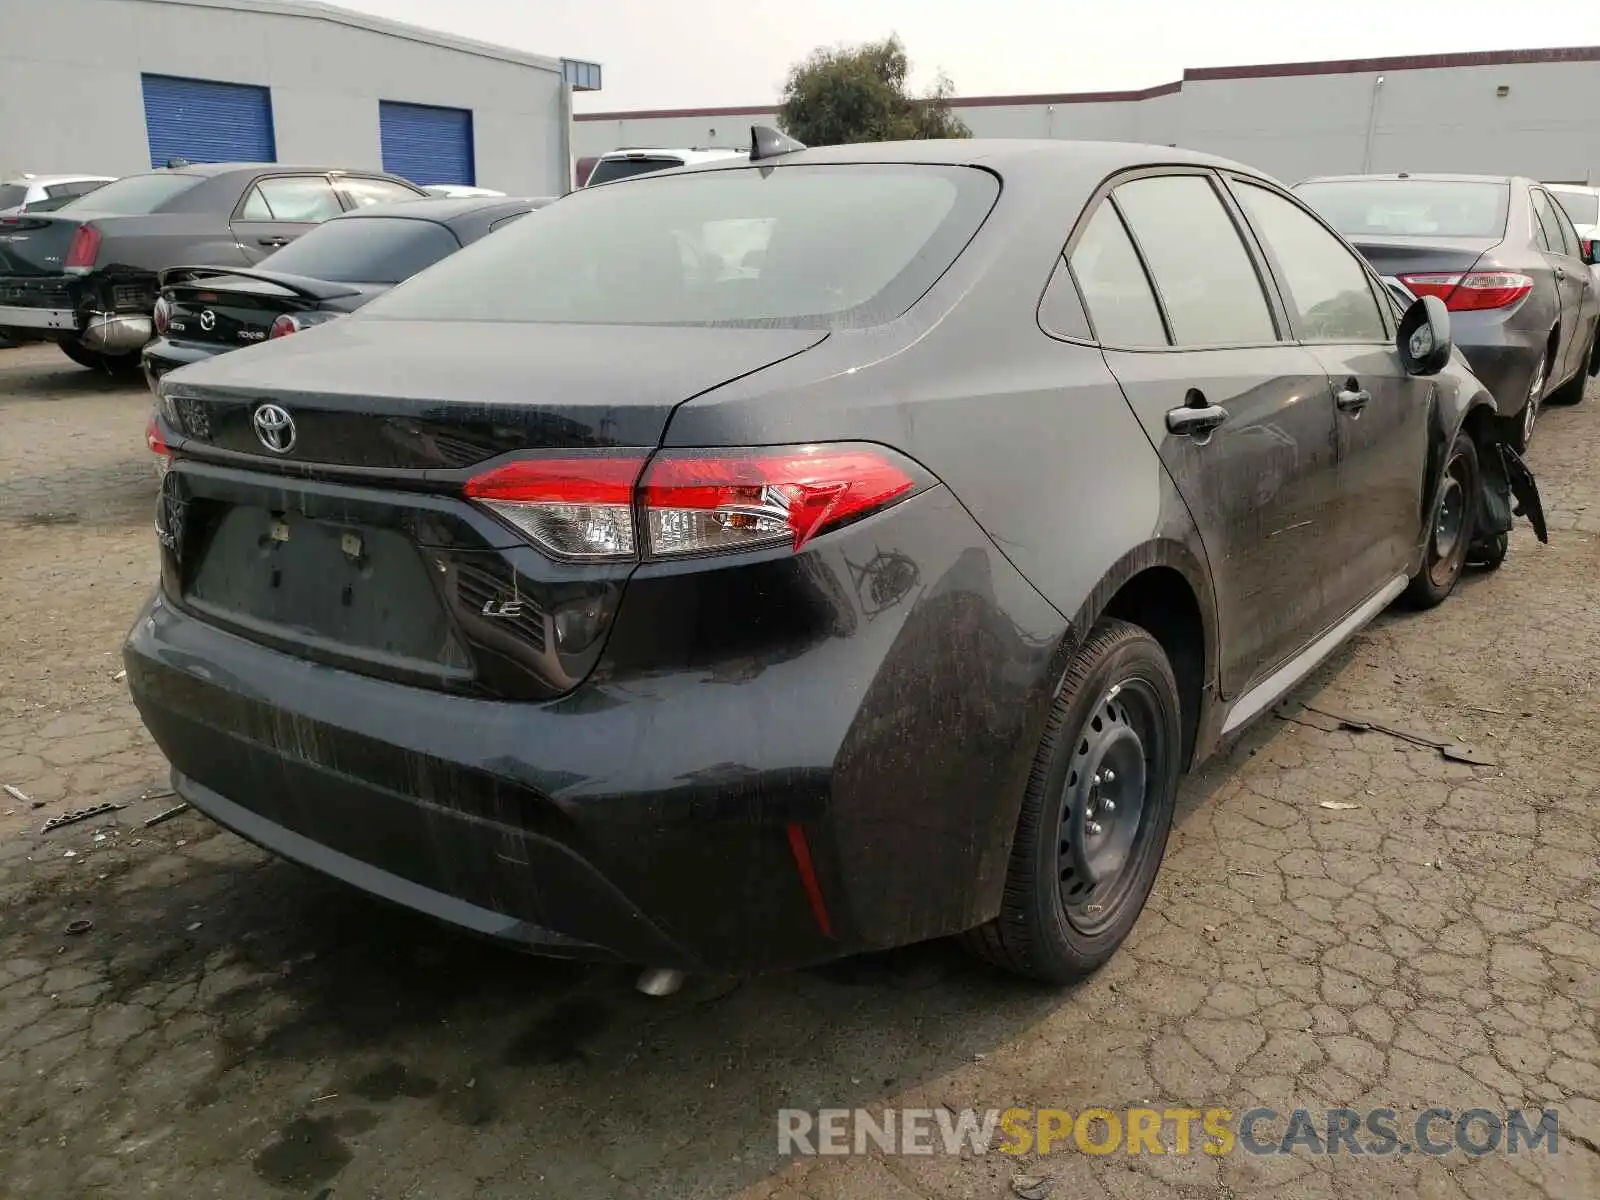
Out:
{"x": 204, "y": 121}
{"x": 426, "y": 144}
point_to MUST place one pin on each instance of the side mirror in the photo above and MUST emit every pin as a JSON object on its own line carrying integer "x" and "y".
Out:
{"x": 1423, "y": 338}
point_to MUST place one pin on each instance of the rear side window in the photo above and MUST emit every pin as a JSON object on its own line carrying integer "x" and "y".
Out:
{"x": 1206, "y": 280}
{"x": 1327, "y": 286}
{"x": 366, "y": 250}
{"x": 1121, "y": 305}
{"x": 609, "y": 170}
{"x": 807, "y": 246}
{"x": 292, "y": 198}
{"x": 358, "y": 193}
{"x": 1582, "y": 207}
{"x": 137, "y": 195}
{"x": 1545, "y": 230}
{"x": 1563, "y": 238}
{"x": 12, "y": 194}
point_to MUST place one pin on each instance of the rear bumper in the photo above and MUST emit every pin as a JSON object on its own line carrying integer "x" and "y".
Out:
{"x": 1502, "y": 356}
{"x": 739, "y": 807}
{"x": 38, "y": 320}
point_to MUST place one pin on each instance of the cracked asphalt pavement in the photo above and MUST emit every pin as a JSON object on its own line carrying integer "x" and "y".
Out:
{"x": 1344, "y": 919}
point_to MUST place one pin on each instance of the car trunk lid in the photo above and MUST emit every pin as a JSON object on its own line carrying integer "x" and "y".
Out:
{"x": 406, "y": 397}
{"x": 229, "y": 308}
{"x": 356, "y": 546}
{"x": 1401, "y": 256}
{"x": 33, "y": 244}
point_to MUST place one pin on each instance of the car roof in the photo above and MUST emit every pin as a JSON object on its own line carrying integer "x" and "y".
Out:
{"x": 1425, "y": 177}
{"x": 445, "y": 209}
{"x": 691, "y": 155}
{"x": 213, "y": 170}
{"x": 1589, "y": 189}
{"x": 1013, "y": 157}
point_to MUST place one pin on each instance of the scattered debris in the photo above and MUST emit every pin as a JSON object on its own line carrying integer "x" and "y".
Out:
{"x": 194, "y": 925}
{"x": 1337, "y": 805}
{"x": 1329, "y": 722}
{"x": 1032, "y": 1187}
{"x": 120, "y": 676}
{"x": 81, "y": 925}
{"x": 1498, "y": 712}
{"x": 18, "y": 794}
{"x": 166, "y": 814}
{"x": 181, "y": 842}
{"x": 320, "y": 1099}
{"x": 157, "y": 793}
{"x": 82, "y": 814}
{"x": 70, "y": 854}
{"x": 1248, "y": 874}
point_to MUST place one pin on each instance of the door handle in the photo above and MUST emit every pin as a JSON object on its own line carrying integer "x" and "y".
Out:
{"x": 1196, "y": 419}
{"x": 273, "y": 241}
{"x": 1561, "y": 274}
{"x": 1352, "y": 398}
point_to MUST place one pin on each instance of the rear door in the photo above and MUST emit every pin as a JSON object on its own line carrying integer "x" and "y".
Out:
{"x": 1380, "y": 412}
{"x": 279, "y": 208}
{"x": 1573, "y": 277}
{"x": 1241, "y": 417}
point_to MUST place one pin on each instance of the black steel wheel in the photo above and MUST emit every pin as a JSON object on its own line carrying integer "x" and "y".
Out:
{"x": 1452, "y": 525}
{"x": 1096, "y": 813}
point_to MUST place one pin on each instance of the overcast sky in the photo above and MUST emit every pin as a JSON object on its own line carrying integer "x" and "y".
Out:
{"x": 700, "y": 53}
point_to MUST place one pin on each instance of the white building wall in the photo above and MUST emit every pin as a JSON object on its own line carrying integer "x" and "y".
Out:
{"x": 1291, "y": 125}
{"x": 71, "y": 98}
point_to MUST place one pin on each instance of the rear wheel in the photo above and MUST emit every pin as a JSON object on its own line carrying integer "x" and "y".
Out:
{"x": 1096, "y": 812}
{"x": 117, "y": 364}
{"x": 1522, "y": 424}
{"x": 1571, "y": 392}
{"x": 1452, "y": 520}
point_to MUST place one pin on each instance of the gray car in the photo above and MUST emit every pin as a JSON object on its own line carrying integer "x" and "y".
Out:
{"x": 1506, "y": 261}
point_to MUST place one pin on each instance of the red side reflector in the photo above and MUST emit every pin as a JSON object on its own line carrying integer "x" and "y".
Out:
{"x": 1473, "y": 292}
{"x": 801, "y": 849}
{"x": 154, "y": 441}
{"x": 84, "y": 247}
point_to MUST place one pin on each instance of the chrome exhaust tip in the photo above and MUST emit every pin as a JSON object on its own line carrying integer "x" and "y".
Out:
{"x": 660, "y": 981}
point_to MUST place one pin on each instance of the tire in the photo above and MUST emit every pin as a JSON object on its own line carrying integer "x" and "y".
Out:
{"x": 1520, "y": 427}
{"x": 1114, "y": 734}
{"x": 1491, "y": 553}
{"x": 1452, "y": 522}
{"x": 1571, "y": 392}
{"x": 116, "y": 364}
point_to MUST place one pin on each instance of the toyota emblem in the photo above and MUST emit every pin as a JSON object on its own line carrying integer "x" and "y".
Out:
{"x": 274, "y": 428}
{"x": 208, "y": 321}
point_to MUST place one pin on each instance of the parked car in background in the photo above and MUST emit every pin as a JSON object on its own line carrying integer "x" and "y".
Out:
{"x": 459, "y": 191}
{"x": 1582, "y": 206}
{"x": 1506, "y": 261}
{"x": 46, "y": 193}
{"x": 85, "y": 275}
{"x": 333, "y": 270}
{"x": 591, "y": 595}
{"x": 627, "y": 163}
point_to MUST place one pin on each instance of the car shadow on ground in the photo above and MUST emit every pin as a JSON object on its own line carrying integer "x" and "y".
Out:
{"x": 33, "y": 373}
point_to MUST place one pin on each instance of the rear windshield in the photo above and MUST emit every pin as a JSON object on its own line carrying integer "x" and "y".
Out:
{"x": 136, "y": 195}
{"x": 365, "y": 250}
{"x": 609, "y": 170}
{"x": 803, "y": 246}
{"x": 12, "y": 194}
{"x": 1583, "y": 208}
{"x": 1410, "y": 207}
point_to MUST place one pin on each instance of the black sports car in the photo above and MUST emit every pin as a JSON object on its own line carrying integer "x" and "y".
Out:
{"x": 741, "y": 566}
{"x": 333, "y": 270}
{"x": 84, "y": 276}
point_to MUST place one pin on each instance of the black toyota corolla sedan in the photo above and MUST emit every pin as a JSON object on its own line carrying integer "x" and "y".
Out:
{"x": 743, "y": 566}
{"x": 329, "y": 272}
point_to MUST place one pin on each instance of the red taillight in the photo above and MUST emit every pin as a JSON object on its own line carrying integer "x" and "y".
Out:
{"x": 283, "y": 327}
{"x": 1472, "y": 292}
{"x": 84, "y": 247}
{"x": 163, "y": 316}
{"x": 573, "y": 507}
{"x": 1586, "y": 247}
{"x": 694, "y": 501}
{"x": 153, "y": 439}
{"x": 703, "y": 501}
